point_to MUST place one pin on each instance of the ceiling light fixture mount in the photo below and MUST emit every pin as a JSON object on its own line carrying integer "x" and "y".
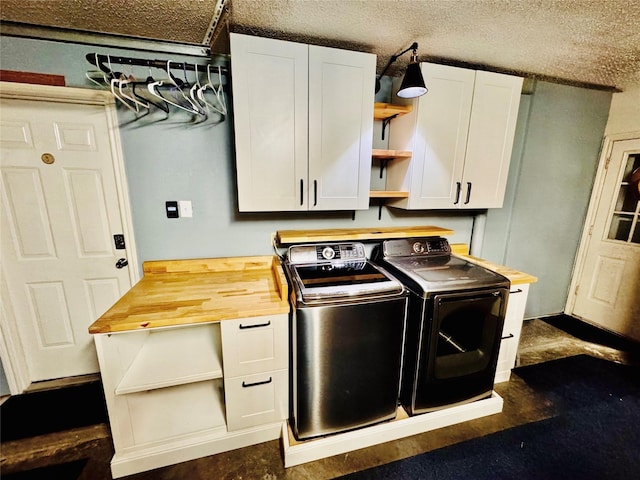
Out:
{"x": 412, "y": 84}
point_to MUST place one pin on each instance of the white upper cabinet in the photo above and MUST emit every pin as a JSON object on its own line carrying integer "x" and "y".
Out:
{"x": 303, "y": 125}
{"x": 270, "y": 92}
{"x": 461, "y": 133}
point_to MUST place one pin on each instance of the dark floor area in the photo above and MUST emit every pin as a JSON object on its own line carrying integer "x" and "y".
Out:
{"x": 541, "y": 341}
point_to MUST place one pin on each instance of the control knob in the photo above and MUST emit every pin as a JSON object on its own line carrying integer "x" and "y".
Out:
{"x": 328, "y": 253}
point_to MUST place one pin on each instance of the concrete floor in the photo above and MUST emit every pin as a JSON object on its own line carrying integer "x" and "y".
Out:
{"x": 539, "y": 342}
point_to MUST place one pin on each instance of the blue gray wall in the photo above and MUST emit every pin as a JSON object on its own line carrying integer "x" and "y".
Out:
{"x": 173, "y": 160}
{"x": 550, "y": 181}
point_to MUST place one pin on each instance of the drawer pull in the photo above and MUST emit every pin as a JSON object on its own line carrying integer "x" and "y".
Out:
{"x": 257, "y": 325}
{"x": 264, "y": 382}
{"x": 508, "y": 336}
{"x": 517, "y": 291}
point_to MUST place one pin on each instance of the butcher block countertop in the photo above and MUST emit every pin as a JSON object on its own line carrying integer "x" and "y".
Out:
{"x": 516, "y": 277}
{"x": 181, "y": 292}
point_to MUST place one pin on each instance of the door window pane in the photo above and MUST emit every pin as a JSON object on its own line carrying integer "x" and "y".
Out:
{"x": 620, "y": 227}
{"x": 625, "y": 221}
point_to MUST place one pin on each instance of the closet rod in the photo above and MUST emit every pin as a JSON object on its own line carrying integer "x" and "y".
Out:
{"x": 101, "y": 60}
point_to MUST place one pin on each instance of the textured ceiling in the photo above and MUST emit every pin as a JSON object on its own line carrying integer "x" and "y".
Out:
{"x": 593, "y": 42}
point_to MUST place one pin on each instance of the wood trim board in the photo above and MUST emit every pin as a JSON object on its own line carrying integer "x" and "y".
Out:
{"x": 289, "y": 237}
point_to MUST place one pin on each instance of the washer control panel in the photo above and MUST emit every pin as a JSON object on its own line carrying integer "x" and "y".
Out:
{"x": 407, "y": 247}
{"x": 322, "y": 253}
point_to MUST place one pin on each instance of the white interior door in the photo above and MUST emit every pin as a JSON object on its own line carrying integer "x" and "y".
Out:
{"x": 608, "y": 284}
{"x": 60, "y": 211}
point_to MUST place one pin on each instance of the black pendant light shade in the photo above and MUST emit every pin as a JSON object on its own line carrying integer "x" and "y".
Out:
{"x": 412, "y": 84}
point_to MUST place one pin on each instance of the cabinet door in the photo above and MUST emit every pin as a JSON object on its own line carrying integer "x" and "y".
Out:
{"x": 496, "y": 100}
{"x": 511, "y": 332}
{"x": 270, "y": 119}
{"x": 341, "y": 97}
{"x": 441, "y": 137}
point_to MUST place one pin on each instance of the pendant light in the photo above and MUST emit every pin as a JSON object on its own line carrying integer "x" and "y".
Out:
{"x": 412, "y": 85}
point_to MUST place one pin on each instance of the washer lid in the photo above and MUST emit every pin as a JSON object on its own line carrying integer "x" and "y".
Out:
{"x": 332, "y": 281}
{"x": 426, "y": 274}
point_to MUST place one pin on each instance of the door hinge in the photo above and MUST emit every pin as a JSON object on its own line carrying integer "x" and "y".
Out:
{"x": 591, "y": 229}
{"x": 606, "y": 163}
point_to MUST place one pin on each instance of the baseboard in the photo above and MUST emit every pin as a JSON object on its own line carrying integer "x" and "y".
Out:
{"x": 298, "y": 452}
{"x": 592, "y": 333}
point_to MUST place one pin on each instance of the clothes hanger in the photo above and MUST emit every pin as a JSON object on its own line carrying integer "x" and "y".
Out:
{"x": 160, "y": 105}
{"x": 220, "y": 92}
{"x": 115, "y": 78}
{"x": 201, "y": 95}
{"x": 195, "y": 88}
{"x": 153, "y": 88}
{"x": 100, "y": 73}
{"x": 185, "y": 85}
{"x": 127, "y": 81}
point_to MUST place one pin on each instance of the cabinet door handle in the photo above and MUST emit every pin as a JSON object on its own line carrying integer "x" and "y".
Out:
{"x": 315, "y": 193}
{"x": 257, "y": 325}
{"x": 264, "y": 382}
{"x": 301, "y": 192}
{"x": 516, "y": 291}
{"x": 468, "y": 193}
{"x": 458, "y": 188}
{"x": 508, "y": 336}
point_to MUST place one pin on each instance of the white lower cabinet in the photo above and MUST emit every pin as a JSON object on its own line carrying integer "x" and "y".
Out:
{"x": 171, "y": 399}
{"x": 256, "y": 363}
{"x": 511, "y": 331}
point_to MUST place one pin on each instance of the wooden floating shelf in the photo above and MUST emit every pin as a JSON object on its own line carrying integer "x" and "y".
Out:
{"x": 382, "y": 111}
{"x": 387, "y": 194}
{"x": 390, "y": 154}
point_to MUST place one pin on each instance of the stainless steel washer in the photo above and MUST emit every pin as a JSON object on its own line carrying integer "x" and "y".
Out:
{"x": 348, "y": 321}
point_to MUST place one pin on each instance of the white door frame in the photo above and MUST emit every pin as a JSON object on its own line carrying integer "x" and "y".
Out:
{"x": 598, "y": 185}
{"x": 11, "y": 350}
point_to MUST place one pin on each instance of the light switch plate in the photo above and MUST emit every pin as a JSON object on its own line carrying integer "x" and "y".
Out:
{"x": 171, "y": 208}
{"x": 185, "y": 209}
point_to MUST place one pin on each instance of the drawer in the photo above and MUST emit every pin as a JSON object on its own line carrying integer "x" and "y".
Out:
{"x": 259, "y": 399}
{"x": 255, "y": 345}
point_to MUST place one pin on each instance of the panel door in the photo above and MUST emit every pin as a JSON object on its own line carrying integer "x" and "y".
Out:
{"x": 341, "y": 98}
{"x": 271, "y": 120}
{"x": 60, "y": 210}
{"x": 441, "y": 137}
{"x": 496, "y": 101}
{"x": 608, "y": 285}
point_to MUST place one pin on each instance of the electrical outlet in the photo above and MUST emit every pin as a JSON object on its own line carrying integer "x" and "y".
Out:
{"x": 185, "y": 209}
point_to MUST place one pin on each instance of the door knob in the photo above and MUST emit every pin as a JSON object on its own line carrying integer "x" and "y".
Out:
{"x": 122, "y": 262}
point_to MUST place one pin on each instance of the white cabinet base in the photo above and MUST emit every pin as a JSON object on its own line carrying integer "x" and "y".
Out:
{"x": 140, "y": 459}
{"x": 511, "y": 332}
{"x": 296, "y": 453}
